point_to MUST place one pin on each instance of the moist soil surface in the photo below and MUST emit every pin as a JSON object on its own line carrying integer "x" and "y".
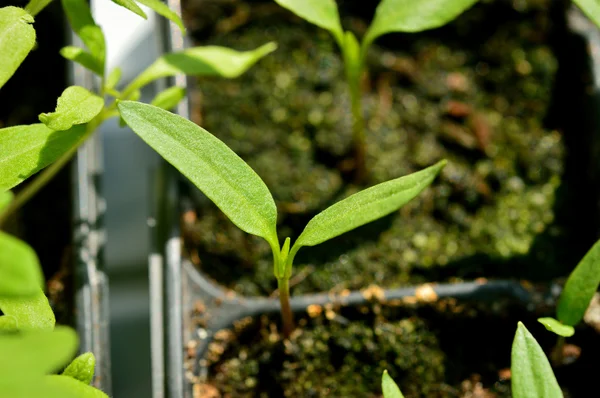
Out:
{"x": 499, "y": 93}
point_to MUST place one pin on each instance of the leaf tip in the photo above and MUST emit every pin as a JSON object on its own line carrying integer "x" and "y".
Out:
{"x": 44, "y": 118}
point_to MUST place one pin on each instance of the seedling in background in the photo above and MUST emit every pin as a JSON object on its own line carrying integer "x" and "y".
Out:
{"x": 390, "y": 16}
{"x": 240, "y": 193}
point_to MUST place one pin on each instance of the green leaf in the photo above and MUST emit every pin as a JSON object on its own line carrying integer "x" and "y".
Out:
{"x": 35, "y": 6}
{"x": 389, "y": 387}
{"x": 591, "y": 8}
{"x": 131, "y": 6}
{"x": 366, "y": 206}
{"x": 31, "y": 312}
{"x": 323, "y": 13}
{"x": 556, "y": 327}
{"x": 25, "y": 150}
{"x": 17, "y": 38}
{"x": 32, "y": 353}
{"x": 5, "y": 198}
{"x": 413, "y": 16}
{"x": 74, "y": 388}
{"x": 580, "y": 288}
{"x": 8, "y": 323}
{"x": 82, "y": 57}
{"x": 82, "y": 368}
{"x": 169, "y": 98}
{"x": 532, "y": 374}
{"x": 214, "y": 168}
{"x": 201, "y": 61}
{"x": 162, "y": 9}
{"x": 19, "y": 267}
{"x": 76, "y": 105}
{"x": 113, "y": 78}
{"x": 80, "y": 17}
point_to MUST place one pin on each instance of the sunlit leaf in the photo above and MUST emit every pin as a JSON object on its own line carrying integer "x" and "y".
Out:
{"x": 76, "y": 105}
{"x": 35, "y": 6}
{"x": 21, "y": 274}
{"x": 82, "y": 22}
{"x": 31, "y": 312}
{"x": 131, "y": 6}
{"x": 531, "y": 373}
{"x": 82, "y": 57}
{"x": 73, "y": 387}
{"x": 389, "y": 387}
{"x": 169, "y": 98}
{"x": 162, "y": 9}
{"x": 82, "y": 368}
{"x": 323, "y": 13}
{"x": 580, "y": 288}
{"x": 591, "y": 8}
{"x": 17, "y": 38}
{"x": 214, "y": 168}
{"x": 25, "y": 150}
{"x": 556, "y": 327}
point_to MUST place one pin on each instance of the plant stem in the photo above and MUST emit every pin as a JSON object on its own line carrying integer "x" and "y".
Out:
{"x": 358, "y": 130}
{"x": 556, "y": 356}
{"x": 286, "y": 310}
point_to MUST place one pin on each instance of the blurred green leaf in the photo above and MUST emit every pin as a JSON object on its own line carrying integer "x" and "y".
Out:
{"x": 214, "y": 168}
{"x": 323, "y": 13}
{"x": 19, "y": 267}
{"x": 76, "y": 105}
{"x": 73, "y": 387}
{"x": 31, "y": 312}
{"x": 162, "y": 9}
{"x": 25, "y": 150}
{"x": 83, "y": 58}
{"x": 531, "y": 373}
{"x": 35, "y": 6}
{"x": 169, "y": 98}
{"x": 82, "y": 368}
{"x": 17, "y": 38}
{"x": 81, "y": 20}
{"x": 5, "y": 198}
{"x": 580, "y": 288}
{"x": 131, "y": 6}
{"x": 556, "y": 327}
{"x": 389, "y": 387}
{"x": 8, "y": 323}
{"x": 591, "y": 8}
{"x": 113, "y": 78}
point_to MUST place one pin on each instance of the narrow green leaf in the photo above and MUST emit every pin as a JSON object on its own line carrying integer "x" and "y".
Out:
{"x": 25, "y": 150}
{"x": 556, "y": 327}
{"x": 76, "y": 105}
{"x": 19, "y": 267}
{"x": 323, "y": 13}
{"x": 162, "y": 9}
{"x": 366, "y": 206}
{"x": 82, "y": 57}
{"x": 413, "y": 16}
{"x": 389, "y": 387}
{"x": 113, "y": 78}
{"x": 214, "y": 168}
{"x": 82, "y": 368}
{"x": 580, "y": 288}
{"x": 532, "y": 374}
{"x": 17, "y": 38}
{"x": 31, "y": 312}
{"x": 35, "y": 6}
{"x": 5, "y": 198}
{"x": 591, "y": 8}
{"x": 169, "y": 98}
{"x": 8, "y": 323}
{"x": 201, "y": 61}
{"x": 33, "y": 353}
{"x": 131, "y": 6}
{"x": 73, "y": 387}
{"x": 81, "y": 20}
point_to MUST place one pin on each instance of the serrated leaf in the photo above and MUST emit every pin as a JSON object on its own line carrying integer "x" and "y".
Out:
{"x": 580, "y": 288}
{"x": 113, "y": 78}
{"x": 131, "y": 6}
{"x": 531, "y": 373}
{"x": 591, "y": 8}
{"x": 82, "y": 57}
{"x": 162, "y": 9}
{"x": 5, "y": 198}
{"x": 169, "y": 98}
{"x": 413, "y": 16}
{"x": 17, "y": 38}
{"x": 556, "y": 327}
{"x": 32, "y": 312}
{"x": 201, "y": 61}
{"x": 35, "y": 6}
{"x": 81, "y": 20}
{"x": 82, "y": 368}
{"x": 76, "y": 105}
{"x": 19, "y": 267}
{"x": 389, "y": 387}
{"x": 366, "y": 206}
{"x": 214, "y": 168}
{"x": 8, "y": 323}
{"x": 33, "y": 353}
{"x": 25, "y": 150}
{"x": 73, "y": 387}
{"x": 323, "y": 13}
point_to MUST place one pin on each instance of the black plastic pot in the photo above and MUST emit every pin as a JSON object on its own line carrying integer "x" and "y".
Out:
{"x": 177, "y": 286}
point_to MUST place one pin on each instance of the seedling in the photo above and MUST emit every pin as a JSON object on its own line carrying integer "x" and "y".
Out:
{"x": 390, "y": 16}
{"x": 240, "y": 193}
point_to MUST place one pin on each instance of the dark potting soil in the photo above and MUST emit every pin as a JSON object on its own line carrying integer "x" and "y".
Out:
{"x": 45, "y": 221}
{"x": 500, "y": 93}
